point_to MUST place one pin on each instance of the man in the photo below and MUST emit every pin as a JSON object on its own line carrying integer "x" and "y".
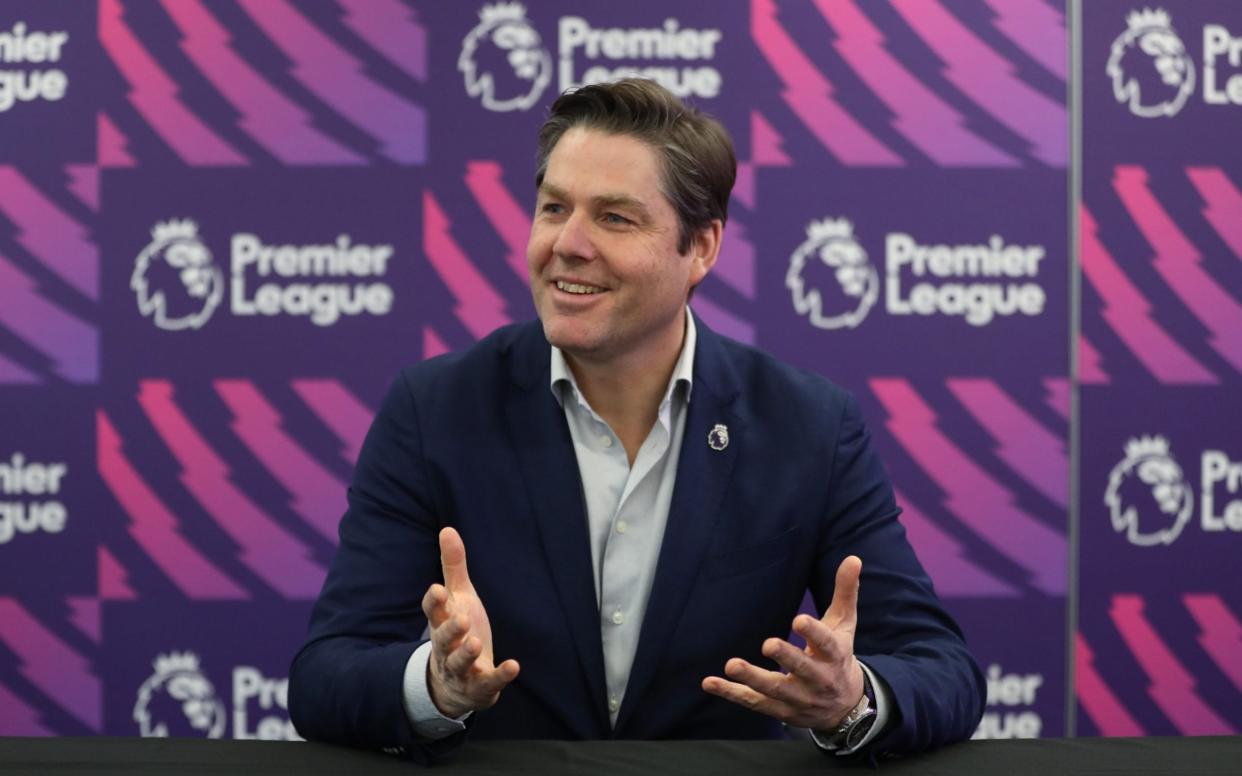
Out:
{"x": 643, "y": 503}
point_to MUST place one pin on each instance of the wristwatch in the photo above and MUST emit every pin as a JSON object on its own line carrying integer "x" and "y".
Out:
{"x": 857, "y": 723}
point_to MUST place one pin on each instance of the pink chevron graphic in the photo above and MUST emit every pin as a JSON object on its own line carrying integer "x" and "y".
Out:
{"x": 70, "y": 343}
{"x": 810, "y": 95}
{"x": 920, "y": 116}
{"x": 393, "y": 30}
{"x": 1224, "y": 204}
{"x": 1033, "y": 452}
{"x": 485, "y": 180}
{"x": 433, "y": 345}
{"x": 723, "y": 321}
{"x": 479, "y": 306}
{"x": 1220, "y": 633}
{"x": 112, "y": 146}
{"x": 1170, "y": 685}
{"x": 944, "y": 559}
{"x": 49, "y": 233}
{"x": 271, "y": 552}
{"x": 328, "y": 71}
{"x": 1103, "y": 707}
{"x": 1128, "y": 313}
{"x": 11, "y": 373}
{"x": 1090, "y": 369}
{"x": 84, "y": 183}
{"x": 1058, "y": 395}
{"x": 1180, "y": 264}
{"x": 1035, "y": 27}
{"x": 272, "y": 119}
{"x": 766, "y": 144}
{"x": 113, "y": 578}
{"x": 18, "y": 719}
{"x": 318, "y": 496}
{"x": 154, "y": 527}
{"x": 744, "y": 183}
{"x": 980, "y": 502}
{"x": 341, "y": 411}
{"x": 736, "y": 265}
{"x": 85, "y": 614}
{"x": 50, "y": 664}
{"x": 990, "y": 81}
{"x": 154, "y": 95}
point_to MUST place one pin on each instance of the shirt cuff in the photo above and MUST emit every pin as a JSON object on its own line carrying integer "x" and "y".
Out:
{"x": 425, "y": 718}
{"x": 883, "y": 703}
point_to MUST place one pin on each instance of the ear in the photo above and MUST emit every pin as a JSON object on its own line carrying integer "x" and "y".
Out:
{"x": 704, "y": 250}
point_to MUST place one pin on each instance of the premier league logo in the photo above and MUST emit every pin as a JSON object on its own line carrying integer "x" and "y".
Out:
{"x": 503, "y": 60}
{"x": 1151, "y": 72}
{"x": 831, "y": 280}
{"x": 1147, "y": 497}
{"x": 177, "y": 700}
{"x": 177, "y": 284}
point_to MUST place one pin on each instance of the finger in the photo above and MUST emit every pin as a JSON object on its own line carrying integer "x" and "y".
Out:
{"x": 794, "y": 660}
{"x": 769, "y": 683}
{"x": 453, "y": 560}
{"x": 490, "y": 682}
{"x": 747, "y": 697}
{"x": 458, "y": 661}
{"x": 844, "y": 607}
{"x": 435, "y": 605}
{"x": 825, "y": 642}
{"x": 450, "y": 634}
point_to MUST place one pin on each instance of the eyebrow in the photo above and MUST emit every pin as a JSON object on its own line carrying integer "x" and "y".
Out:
{"x": 600, "y": 201}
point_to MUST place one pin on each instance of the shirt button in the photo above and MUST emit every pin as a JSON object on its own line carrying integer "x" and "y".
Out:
{"x": 618, "y": 617}
{"x": 605, "y": 440}
{"x": 622, "y": 526}
{"x": 613, "y": 704}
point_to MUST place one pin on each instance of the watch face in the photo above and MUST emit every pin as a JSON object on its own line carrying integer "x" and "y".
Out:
{"x": 858, "y": 731}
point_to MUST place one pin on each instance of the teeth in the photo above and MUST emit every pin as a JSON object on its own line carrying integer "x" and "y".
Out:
{"x": 574, "y": 288}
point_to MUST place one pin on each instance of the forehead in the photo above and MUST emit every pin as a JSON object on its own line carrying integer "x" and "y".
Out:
{"x": 589, "y": 162}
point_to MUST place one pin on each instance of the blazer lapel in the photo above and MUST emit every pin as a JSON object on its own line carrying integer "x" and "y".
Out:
{"x": 550, "y": 470}
{"x": 703, "y": 474}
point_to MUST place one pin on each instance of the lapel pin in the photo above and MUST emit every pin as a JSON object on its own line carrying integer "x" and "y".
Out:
{"x": 718, "y": 437}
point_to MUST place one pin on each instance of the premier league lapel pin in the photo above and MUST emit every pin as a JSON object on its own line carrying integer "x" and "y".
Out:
{"x": 718, "y": 437}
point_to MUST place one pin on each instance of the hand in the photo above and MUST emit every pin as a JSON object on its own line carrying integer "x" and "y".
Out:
{"x": 823, "y": 682}
{"x": 461, "y": 676}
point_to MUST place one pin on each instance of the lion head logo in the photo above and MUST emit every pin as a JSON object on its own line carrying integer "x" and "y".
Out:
{"x": 1147, "y": 497}
{"x": 177, "y": 700}
{"x": 503, "y": 59}
{"x": 177, "y": 284}
{"x": 831, "y": 280}
{"x": 1151, "y": 72}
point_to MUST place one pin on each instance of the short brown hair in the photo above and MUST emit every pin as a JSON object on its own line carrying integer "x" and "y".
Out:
{"x": 698, "y": 164}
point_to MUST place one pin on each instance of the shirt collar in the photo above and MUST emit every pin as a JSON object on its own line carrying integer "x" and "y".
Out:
{"x": 683, "y": 370}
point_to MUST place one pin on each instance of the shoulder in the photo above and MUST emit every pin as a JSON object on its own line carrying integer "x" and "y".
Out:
{"x": 468, "y": 375}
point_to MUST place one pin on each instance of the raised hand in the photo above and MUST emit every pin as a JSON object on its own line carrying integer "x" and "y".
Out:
{"x": 461, "y": 675}
{"x": 822, "y": 683}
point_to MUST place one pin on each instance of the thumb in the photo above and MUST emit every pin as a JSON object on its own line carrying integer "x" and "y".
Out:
{"x": 844, "y": 607}
{"x": 453, "y": 561}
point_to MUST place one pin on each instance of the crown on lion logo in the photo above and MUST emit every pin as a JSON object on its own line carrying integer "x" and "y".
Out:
{"x": 1148, "y": 18}
{"x": 1147, "y": 446}
{"x": 498, "y": 12}
{"x": 830, "y": 228}
{"x": 175, "y": 662}
{"x": 174, "y": 229}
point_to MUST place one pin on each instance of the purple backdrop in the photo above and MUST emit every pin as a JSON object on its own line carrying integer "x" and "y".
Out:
{"x": 224, "y": 226}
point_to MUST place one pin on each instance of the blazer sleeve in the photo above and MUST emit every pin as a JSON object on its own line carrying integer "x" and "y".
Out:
{"x": 345, "y": 684}
{"x": 904, "y": 634}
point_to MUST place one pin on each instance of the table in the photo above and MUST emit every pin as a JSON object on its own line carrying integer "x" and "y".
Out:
{"x": 1208, "y": 756}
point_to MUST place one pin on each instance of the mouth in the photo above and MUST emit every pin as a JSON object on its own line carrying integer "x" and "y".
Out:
{"x": 578, "y": 289}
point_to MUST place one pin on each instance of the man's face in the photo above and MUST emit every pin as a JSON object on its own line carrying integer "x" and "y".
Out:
{"x": 605, "y": 273}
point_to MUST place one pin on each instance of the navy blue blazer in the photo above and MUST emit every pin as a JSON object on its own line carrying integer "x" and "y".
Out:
{"x": 477, "y": 441}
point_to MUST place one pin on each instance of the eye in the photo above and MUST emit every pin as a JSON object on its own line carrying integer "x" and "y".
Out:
{"x": 618, "y": 220}
{"x": 552, "y": 208}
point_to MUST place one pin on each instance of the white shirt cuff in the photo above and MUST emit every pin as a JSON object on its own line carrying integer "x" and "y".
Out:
{"x": 883, "y": 703}
{"x": 425, "y": 718}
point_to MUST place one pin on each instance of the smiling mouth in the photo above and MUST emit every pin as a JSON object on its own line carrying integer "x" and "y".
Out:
{"x": 577, "y": 288}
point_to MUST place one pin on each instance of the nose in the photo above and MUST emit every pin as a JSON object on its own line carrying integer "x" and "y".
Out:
{"x": 574, "y": 239}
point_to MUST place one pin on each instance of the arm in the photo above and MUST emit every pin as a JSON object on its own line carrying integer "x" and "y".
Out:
{"x": 887, "y": 617}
